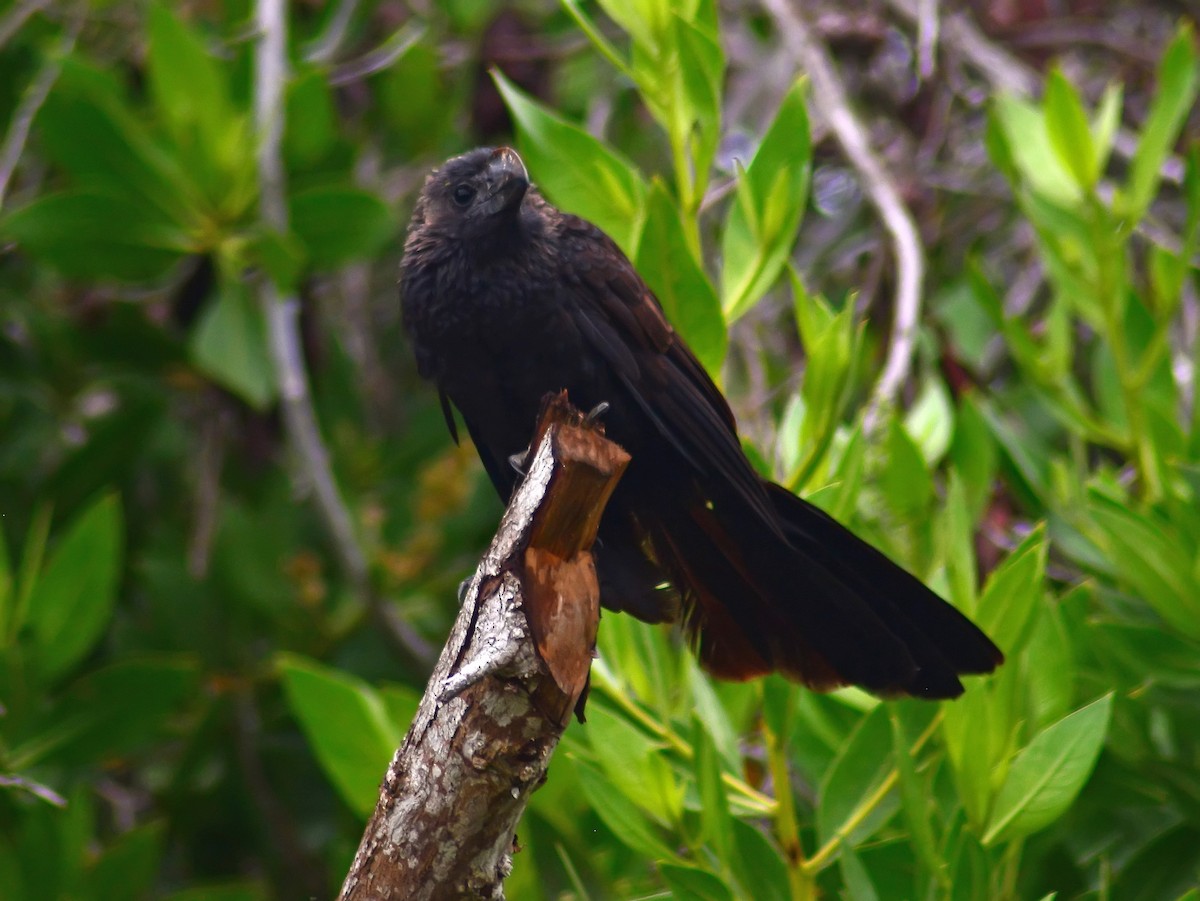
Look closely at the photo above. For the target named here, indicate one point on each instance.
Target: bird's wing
(620, 317)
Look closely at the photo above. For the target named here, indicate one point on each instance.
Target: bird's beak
(507, 181)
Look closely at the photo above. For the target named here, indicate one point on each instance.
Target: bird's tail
(807, 597)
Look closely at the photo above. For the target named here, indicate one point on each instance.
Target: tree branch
(515, 665)
(281, 310)
(829, 96)
(1007, 72)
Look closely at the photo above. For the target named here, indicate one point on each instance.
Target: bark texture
(514, 667)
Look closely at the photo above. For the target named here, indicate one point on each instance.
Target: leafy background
(214, 631)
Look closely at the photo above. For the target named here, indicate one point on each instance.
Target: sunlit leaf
(761, 226)
(1068, 129)
(679, 282)
(1175, 93)
(1009, 598)
(73, 600)
(1049, 772)
(346, 725)
(230, 345)
(575, 170)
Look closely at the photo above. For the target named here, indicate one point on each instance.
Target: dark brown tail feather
(818, 603)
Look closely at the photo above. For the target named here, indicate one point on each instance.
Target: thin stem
(829, 95)
(826, 852)
(282, 309)
(800, 880)
(752, 796)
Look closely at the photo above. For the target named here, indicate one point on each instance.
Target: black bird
(506, 298)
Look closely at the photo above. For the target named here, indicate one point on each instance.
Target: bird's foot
(520, 462)
(596, 412)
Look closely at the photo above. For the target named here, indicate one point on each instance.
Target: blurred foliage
(199, 704)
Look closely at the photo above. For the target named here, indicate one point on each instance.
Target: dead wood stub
(516, 662)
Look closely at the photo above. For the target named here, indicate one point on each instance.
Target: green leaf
(1147, 652)
(339, 224)
(644, 21)
(679, 282)
(311, 124)
(697, 93)
(619, 814)
(1178, 79)
(915, 796)
(229, 345)
(126, 869)
(112, 711)
(716, 825)
(94, 236)
(576, 171)
(957, 542)
(72, 601)
(930, 420)
(1105, 123)
(1149, 557)
(1032, 153)
(1052, 667)
(33, 551)
(1010, 597)
(906, 482)
(1164, 867)
(975, 729)
(861, 765)
(831, 347)
(634, 765)
(693, 884)
(778, 704)
(1068, 130)
(1048, 773)
(281, 254)
(346, 726)
(191, 94)
(761, 226)
(758, 865)
(707, 706)
(973, 453)
(119, 158)
(859, 886)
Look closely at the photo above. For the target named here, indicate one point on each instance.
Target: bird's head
(475, 194)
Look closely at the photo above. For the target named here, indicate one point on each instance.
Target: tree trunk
(513, 669)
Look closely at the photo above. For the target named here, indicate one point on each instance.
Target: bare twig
(1005, 71)
(513, 668)
(325, 47)
(208, 462)
(282, 311)
(270, 60)
(380, 58)
(27, 110)
(16, 16)
(928, 20)
(830, 98)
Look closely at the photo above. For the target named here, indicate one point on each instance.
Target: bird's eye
(463, 194)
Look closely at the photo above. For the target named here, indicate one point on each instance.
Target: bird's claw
(518, 461)
(596, 412)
